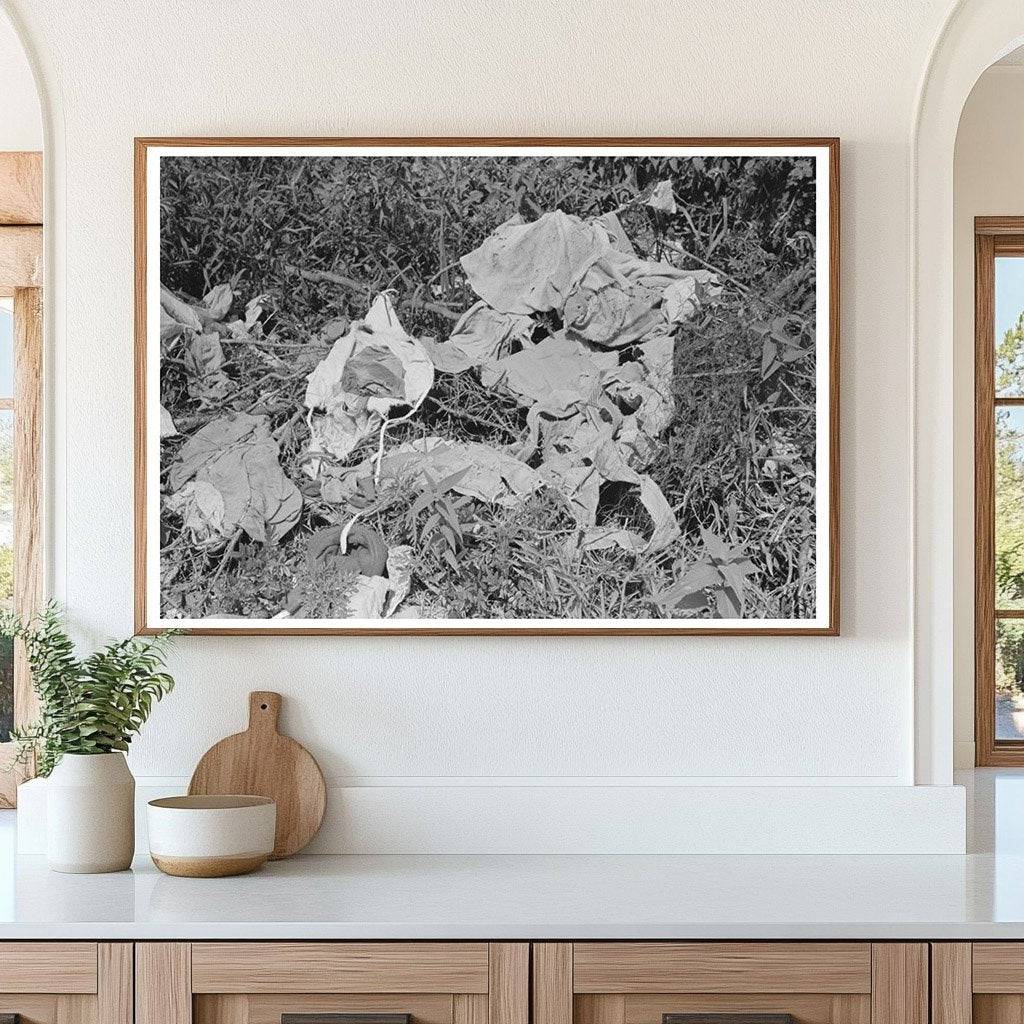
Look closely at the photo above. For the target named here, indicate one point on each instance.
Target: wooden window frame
(21, 270)
(993, 237)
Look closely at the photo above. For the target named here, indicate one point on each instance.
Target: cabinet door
(332, 983)
(980, 982)
(66, 982)
(737, 982)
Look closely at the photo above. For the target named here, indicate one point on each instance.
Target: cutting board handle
(264, 710)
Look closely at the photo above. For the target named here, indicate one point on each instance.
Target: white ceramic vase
(90, 814)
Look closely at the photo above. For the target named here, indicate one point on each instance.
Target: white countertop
(532, 897)
(978, 896)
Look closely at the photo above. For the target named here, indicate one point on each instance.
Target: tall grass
(321, 236)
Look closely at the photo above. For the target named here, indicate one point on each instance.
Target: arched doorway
(976, 33)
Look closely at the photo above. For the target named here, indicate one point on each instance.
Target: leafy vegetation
(1009, 508)
(317, 238)
(90, 705)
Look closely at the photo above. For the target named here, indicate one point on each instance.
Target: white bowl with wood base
(211, 836)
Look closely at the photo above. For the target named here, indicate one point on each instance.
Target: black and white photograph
(466, 387)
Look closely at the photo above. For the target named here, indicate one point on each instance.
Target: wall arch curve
(21, 113)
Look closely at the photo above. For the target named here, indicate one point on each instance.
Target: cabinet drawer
(998, 967)
(630, 967)
(270, 1009)
(262, 982)
(48, 967)
(66, 982)
(340, 967)
(735, 982)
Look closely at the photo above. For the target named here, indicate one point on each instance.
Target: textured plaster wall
(812, 711)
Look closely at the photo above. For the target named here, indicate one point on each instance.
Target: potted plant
(89, 709)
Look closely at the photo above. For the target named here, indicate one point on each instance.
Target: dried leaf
(661, 198)
(579, 475)
(210, 443)
(616, 233)
(532, 268)
(216, 304)
(399, 570)
(727, 603)
(555, 372)
(204, 354)
(373, 369)
(469, 468)
(609, 309)
(177, 315)
(483, 335)
(238, 457)
(367, 598)
(201, 507)
(167, 427)
(621, 298)
(682, 298)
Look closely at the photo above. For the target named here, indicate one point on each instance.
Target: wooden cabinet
(494, 983)
(260, 982)
(648, 982)
(66, 982)
(979, 982)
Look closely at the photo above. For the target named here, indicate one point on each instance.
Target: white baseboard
(601, 819)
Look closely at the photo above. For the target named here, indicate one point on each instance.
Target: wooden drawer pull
(340, 1018)
(728, 1018)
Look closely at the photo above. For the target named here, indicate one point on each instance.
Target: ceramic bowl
(211, 836)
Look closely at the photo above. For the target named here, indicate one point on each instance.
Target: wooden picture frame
(148, 615)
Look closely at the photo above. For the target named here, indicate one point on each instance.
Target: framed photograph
(487, 386)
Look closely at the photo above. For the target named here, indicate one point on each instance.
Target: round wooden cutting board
(262, 762)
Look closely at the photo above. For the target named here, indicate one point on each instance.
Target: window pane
(1009, 325)
(6, 567)
(6, 348)
(1009, 679)
(1009, 532)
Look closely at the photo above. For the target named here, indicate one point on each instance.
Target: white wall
(446, 712)
(21, 124)
(988, 181)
